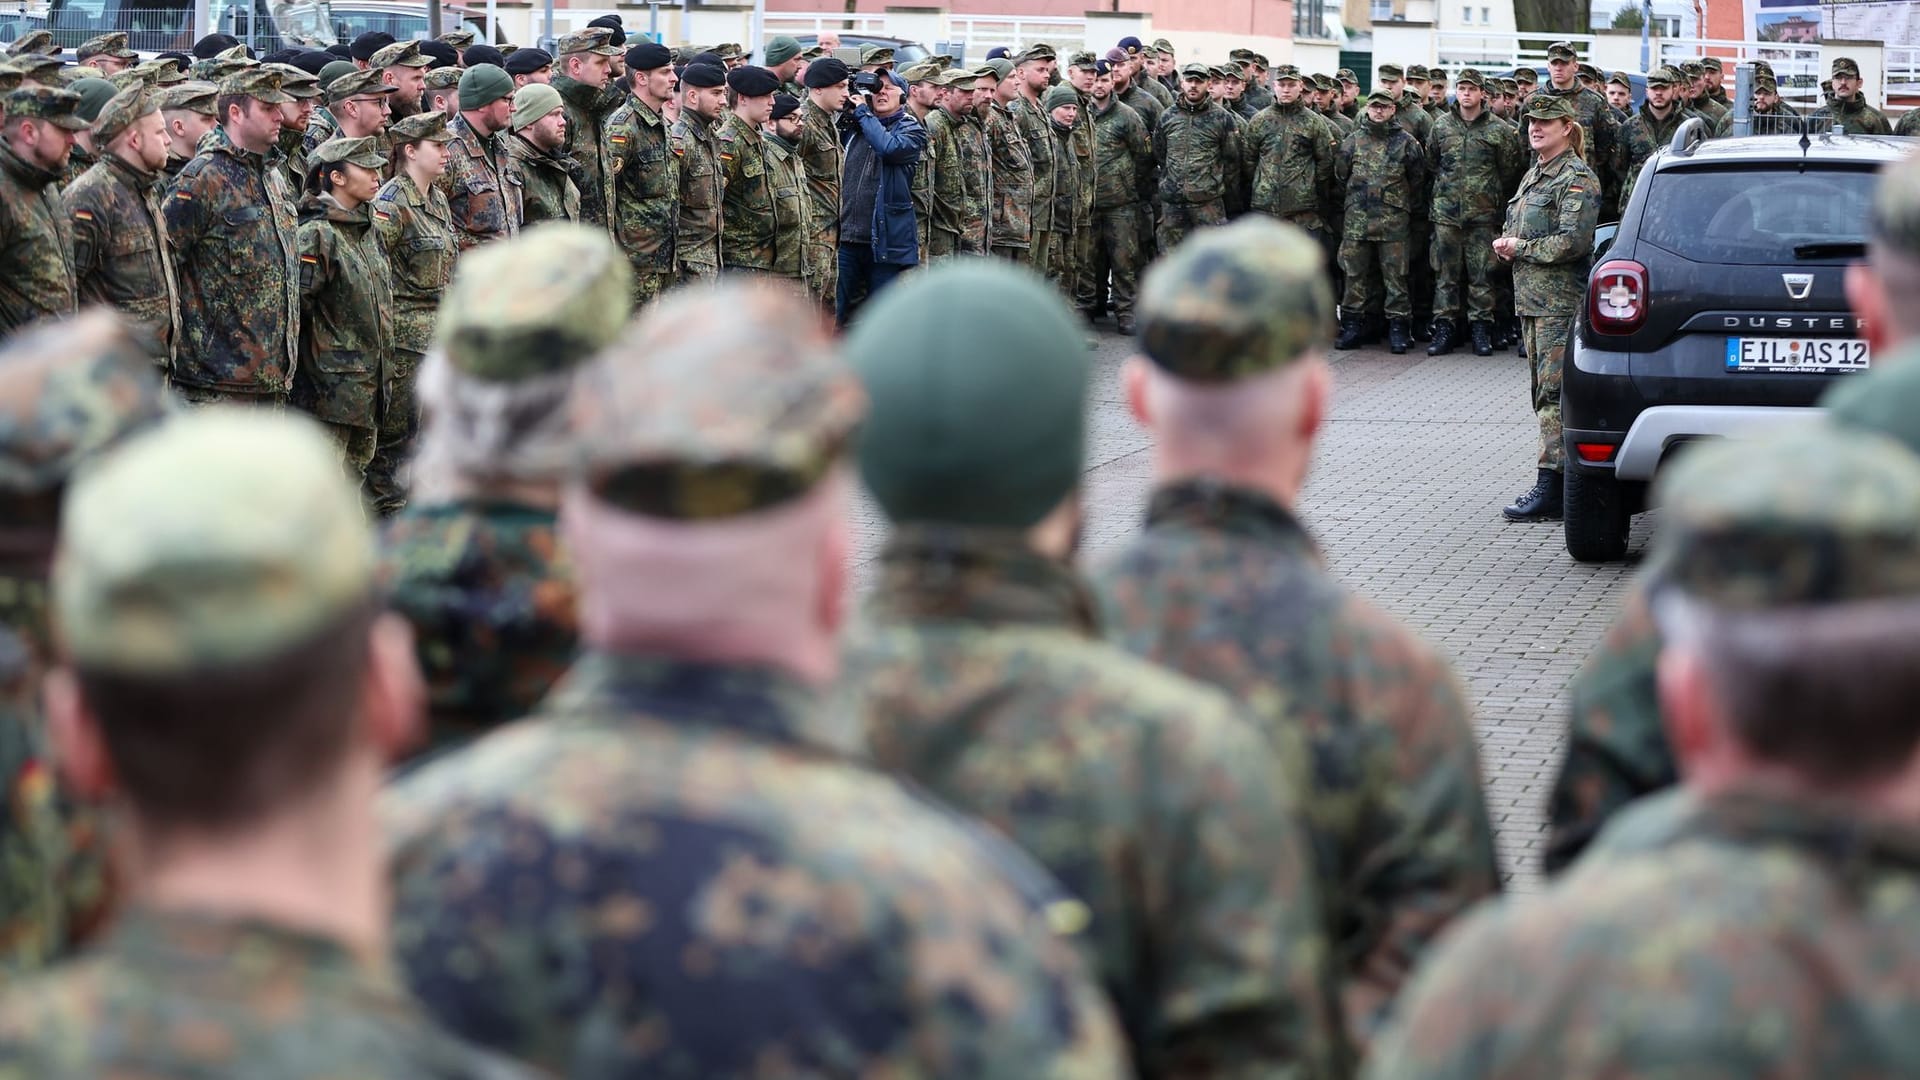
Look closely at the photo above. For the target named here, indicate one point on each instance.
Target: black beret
(341, 50)
(612, 22)
(526, 61)
(444, 55)
(184, 60)
(824, 72)
(280, 56)
(312, 60)
(484, 54)
(213, 45)
(1101, 67)
(785, 105)
(749, 81)
(708, 57)
(648, 56)
(704, 75)
(369, 43)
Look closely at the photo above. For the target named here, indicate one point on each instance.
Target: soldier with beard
(403, 67)
(1011, 203)
(538, 135)
(1198, 150)
(120, 251)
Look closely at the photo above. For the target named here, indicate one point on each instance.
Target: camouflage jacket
(1288, 164)
(1197, 149)
(36, 244)
(1381, 170)
(792, 221)
(1226, 586)
(1736, 934)
(1153, 799)
(1411, 118)
(321, 126)
(293, 157)
(490, 594)
(1066, 177)
(976, 174)
(1082, 142)
(1909, 121)
(1710, 108)
(1553, 214)
(1605, 155)
(588, 110)
(416, 232)
(1617, 747)
(1476, 165)
(646, 188)
(79, 160)
(346, 298)
(687, 868)
(1011, 200)
(920, 187)
(702, 193)
(1037, 131)
(482, 186)
(1650, 131)
(1341, 123)
(1161, 91)
(547, 188)
(948, 193)
(177, 994)
(747, 222)
(120, 251)
(1257, 96)
(825, 159)
(1782, 119)
(1141, 101)
(231, 220)
(1122, 158)
(1854, 116)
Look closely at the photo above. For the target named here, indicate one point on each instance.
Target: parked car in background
(904, 52)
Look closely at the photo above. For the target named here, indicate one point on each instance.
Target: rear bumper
(1657, 429)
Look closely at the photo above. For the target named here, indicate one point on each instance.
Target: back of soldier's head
(1788, 570)
(1881, 289)
(214, 590)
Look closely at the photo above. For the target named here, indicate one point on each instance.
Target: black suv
(1717, 308)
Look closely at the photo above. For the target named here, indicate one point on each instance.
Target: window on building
(1310, 18)
(1486, 16)
(1666, 26)
(1466, 14)
(1381, 11)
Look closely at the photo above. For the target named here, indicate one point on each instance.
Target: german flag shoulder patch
(83, 215)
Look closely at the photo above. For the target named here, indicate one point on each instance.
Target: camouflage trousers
(357, 445)
(649, 284)
(1179, 219)
(201, 395)
(1040, 251)
(399, 425)
(942, 243)
(1080, 268)
(1545, 337)
(1023, 256)
(1373, 267)
(823, 265)
(1060, 263)
(1463, 258)
(1116, 255)
(698, 274)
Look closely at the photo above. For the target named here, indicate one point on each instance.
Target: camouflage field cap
(360, 83)
(1895, 221)
(594, 39)
(1816, 515)
(1662, 76)
(1196, 70)
(1161, 46)
(1526, 76)
(957, 79)
(34, 42)
(1762, 67)
(120, 113)
(69, 390)
(235, 52)
(400, 54)
(131, 77)
(1470, 77)
(51, 104)
(1239, 56)
(1588, 71)
(730, 50)
(1392, 71)
(459, 39)
(189, 96)
(10, 77)
(1346, 75)
(1619, 78)
(37, 67)
(444, 78)
(1551, 107)
(1691, 69)
(1287, 71)
(222, 537)
(872, 55)
(1324, 82)
(1712, 63)
(114, 45)
(1382, 97)
(364, 151)
(1417, 73)
(1236, 300)
(914, 74)
(1039, 50)
(718, 402)
(1562, 50)
(298, 84)
(259, 83)
(68, 76)
(428, 126)
(535, 305)
(999, 67)
(1082, 60)
(1764, 84)
(1844, 65)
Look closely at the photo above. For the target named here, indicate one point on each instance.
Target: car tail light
(1595, 453)
(1617, 297)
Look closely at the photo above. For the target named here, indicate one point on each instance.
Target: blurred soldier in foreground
(230, 683)
(1226, 585)
(566, 893)
(1761, 919)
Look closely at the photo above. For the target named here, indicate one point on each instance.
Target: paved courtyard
(1405, 497)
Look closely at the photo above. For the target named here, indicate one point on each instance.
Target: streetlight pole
(1646, 33)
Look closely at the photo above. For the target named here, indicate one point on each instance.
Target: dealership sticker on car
(1802, 355)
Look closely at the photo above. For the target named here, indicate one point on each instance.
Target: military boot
(1398, 336)
(1442, 338)
(1540, 503)
(1353, 332)
(1482, 339)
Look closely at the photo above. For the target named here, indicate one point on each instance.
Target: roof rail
(1688, 137)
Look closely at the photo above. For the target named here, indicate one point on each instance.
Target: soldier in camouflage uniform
(1030, 118)
(475, 562)
(1123, 188)
(1771, 116)
(295, 116)
(482, 186)
(839, 922)
(1226, 585)
(94, 95)
(69, 391)
(749, 221)
(1076, 270)
(969, 135)
(585, 83)
(231, 219)
(1198, 153)
(940, 203)
(646, 174)
(1697, 82)
(536, 141)
(1477, 163)
(189, 111)
(1289, 159)
(1062, 107)
(1653, 124)
(823, 158)
(1381, 170)
(36, 244)
(242, 730)
(402, 66)
(1133, 93)
(1759, 920)
(792, 217)
(1010, 164)
(1602, 151)
(1848, 110)
(346, 300)
(361, 106)
(107, 53)
(980, 630)
(120, 251)
(703, 100)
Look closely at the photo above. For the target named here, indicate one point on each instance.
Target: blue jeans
(860, 279)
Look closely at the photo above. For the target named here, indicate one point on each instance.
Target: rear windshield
(1756, 214)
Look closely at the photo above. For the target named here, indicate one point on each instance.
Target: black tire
(1596, 517)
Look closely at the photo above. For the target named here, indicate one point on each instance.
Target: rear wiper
(1830, 248)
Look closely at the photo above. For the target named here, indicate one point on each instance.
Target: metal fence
(977, 32)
